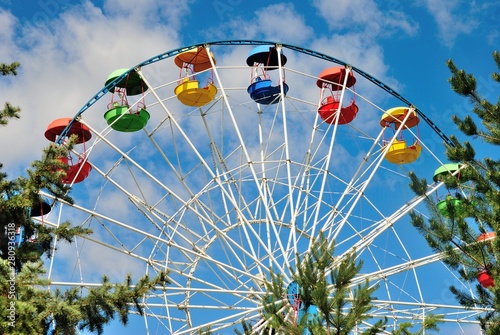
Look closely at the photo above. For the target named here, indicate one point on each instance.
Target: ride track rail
(309, 52)
(278, 198)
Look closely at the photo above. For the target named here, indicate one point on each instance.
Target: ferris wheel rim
(179, 50)
(310, 52)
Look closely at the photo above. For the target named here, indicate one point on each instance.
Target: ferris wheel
(221, 161)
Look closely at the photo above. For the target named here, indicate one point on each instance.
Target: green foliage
(489, 113)
(9, 111)
(18, 196)
(478, 188)
(9, 69)
(41, 311)
(430, 324)
(326, 283)
(204, 331)
(27, 305)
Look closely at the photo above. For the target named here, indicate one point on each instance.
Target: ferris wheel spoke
(390, 220)
(267, 200)
(185, 251)
(185, 205)
(287, 148)
(252, 169)
(221, 180)
(412, 310)
(407, 254)
(356, 199)
(334, 129)
(154, 215)
(226, 191)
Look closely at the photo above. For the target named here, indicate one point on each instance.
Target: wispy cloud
(262, 24)
(64, 62)
(67, 52)
(451, 19)
(150, 12)
(365, 16)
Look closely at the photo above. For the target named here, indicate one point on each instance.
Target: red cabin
(78, 167)
(333, 83)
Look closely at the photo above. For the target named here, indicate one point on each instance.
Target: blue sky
(403, 44)
(67, 49)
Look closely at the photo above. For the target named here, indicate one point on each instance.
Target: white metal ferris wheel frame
(398, 310)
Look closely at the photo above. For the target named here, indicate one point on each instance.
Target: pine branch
(496, 58)
(103, 304)
(9, 111)
(462, 82)
(9, 69)
(38, 310)
(477, 211)
(204, 331)
(465, 85)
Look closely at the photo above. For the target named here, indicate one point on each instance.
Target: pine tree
(325, 303)
(340, 309)
(9, 111)
(467, 232)
(26, 305)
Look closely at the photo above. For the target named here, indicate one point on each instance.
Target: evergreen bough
(479, 183)
(27, 306)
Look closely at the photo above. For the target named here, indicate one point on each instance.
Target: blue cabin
(262, 59)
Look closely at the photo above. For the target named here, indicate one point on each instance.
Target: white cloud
(262, 24)
(90, 261)
(366, 16)
(345, 13)
(451, 19)
(8, 23)
(149, 12)
(354, 49)
(296, 31)
(64, 62)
